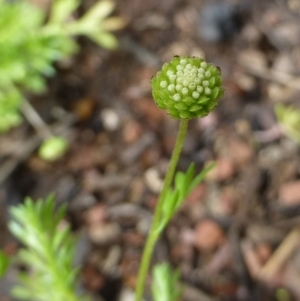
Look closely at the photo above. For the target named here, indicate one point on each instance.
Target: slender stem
(35, 120)
(154, 234)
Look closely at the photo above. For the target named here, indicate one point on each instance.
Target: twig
(282, 78)
(240, 265)
(280, 256)
(35, 120)
(191, 293)
(11, 164)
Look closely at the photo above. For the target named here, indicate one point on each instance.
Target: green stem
(154, 234)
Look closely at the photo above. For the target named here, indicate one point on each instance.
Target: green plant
(30, 43)
(48, 253)
(187, 87)
(50, 247)
(53, 148)
(289, 119)
(4, 263)
(165, 284)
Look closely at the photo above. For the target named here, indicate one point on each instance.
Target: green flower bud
(187, 87)
(53, 148)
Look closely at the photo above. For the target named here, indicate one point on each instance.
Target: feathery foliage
(30, 43)
(48, 253)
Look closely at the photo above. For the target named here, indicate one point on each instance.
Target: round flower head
(187, 87)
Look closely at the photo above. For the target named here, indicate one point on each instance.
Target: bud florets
(187, 87)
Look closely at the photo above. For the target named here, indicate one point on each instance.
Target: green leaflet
(185, 183)
(4, 263)
(165, 284)
(48, 252)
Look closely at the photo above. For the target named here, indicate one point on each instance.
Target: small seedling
(48, 254)
(53, 148)
(30, 43)
(187, 87)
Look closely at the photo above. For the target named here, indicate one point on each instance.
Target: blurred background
(236, 237)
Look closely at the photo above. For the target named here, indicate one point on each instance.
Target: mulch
(236, 237)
